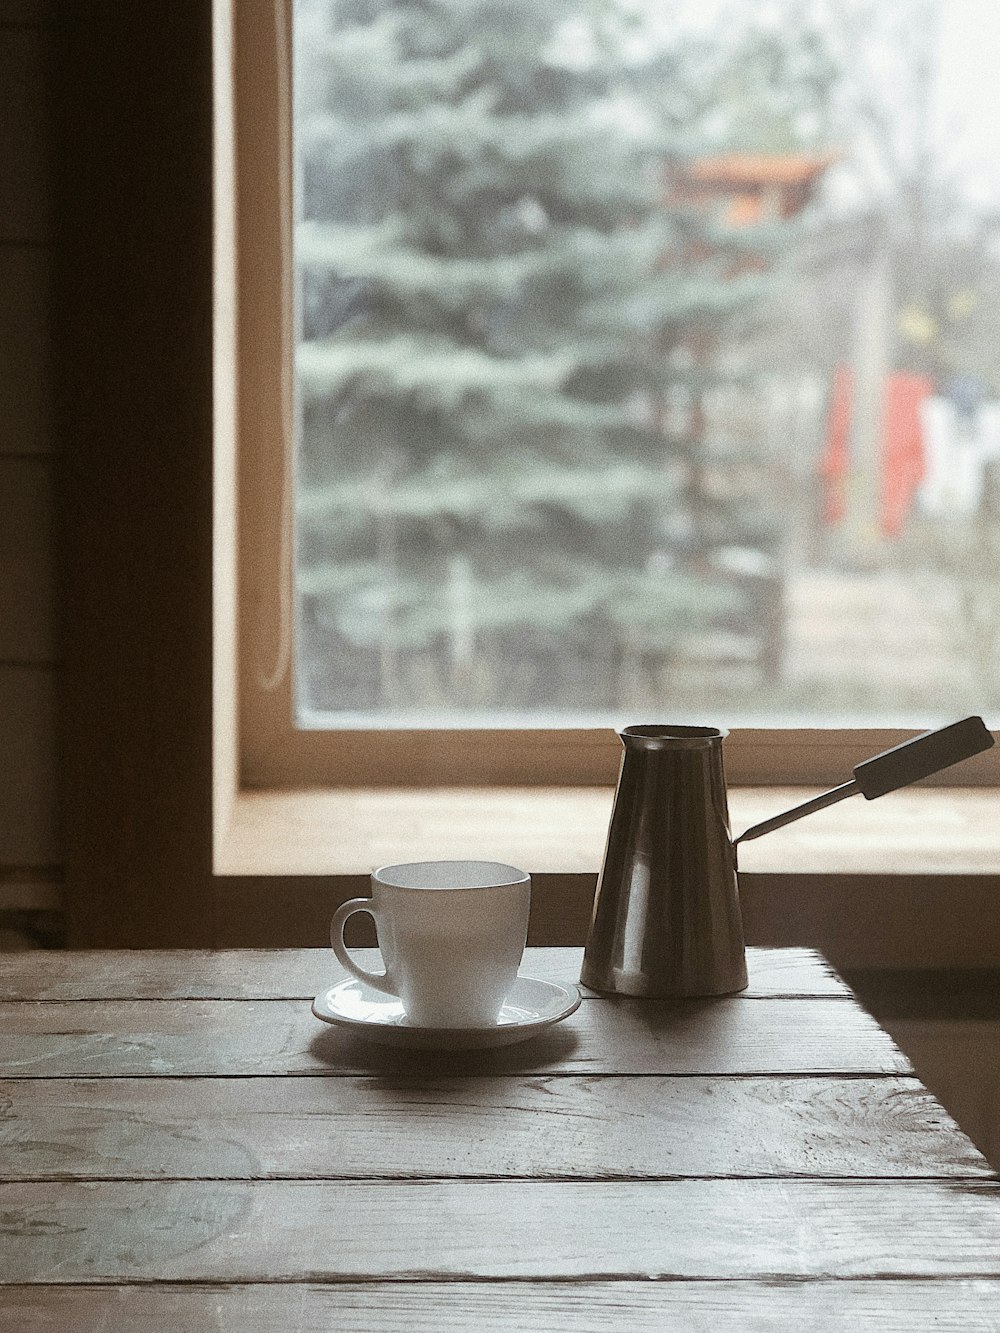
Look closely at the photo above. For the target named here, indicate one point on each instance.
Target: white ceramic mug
(451, 934)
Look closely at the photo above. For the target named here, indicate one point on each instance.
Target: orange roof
(761, 168)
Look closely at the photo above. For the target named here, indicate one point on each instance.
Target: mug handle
(377, 980)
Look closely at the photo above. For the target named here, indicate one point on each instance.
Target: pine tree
(494, 511)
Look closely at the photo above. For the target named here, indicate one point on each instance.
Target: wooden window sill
(561, 831)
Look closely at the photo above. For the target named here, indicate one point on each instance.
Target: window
(622, 388)
(385, 606)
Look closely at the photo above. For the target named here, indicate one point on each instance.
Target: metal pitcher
(667, 913)
(666, 916)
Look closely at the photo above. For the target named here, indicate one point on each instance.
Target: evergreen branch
(495, 500)
(432, 371)
(379, 253)
(441, 137)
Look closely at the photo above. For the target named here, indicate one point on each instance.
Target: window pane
(646, 360)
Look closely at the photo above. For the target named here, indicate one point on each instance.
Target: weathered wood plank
(955, 1306)
(574, 1128)
(187, 1037)
(959, 1061)
(237, 1231)
(271, 974)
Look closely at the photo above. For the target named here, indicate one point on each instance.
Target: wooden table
(184, 1147)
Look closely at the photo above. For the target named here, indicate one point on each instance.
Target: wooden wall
(30, 844)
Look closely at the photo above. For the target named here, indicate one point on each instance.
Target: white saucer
(532, 1006)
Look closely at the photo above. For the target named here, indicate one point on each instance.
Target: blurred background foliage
(567, 322)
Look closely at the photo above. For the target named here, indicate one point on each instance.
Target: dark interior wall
(133, 374)
(30, 842)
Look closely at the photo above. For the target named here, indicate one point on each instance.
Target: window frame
(272, 752)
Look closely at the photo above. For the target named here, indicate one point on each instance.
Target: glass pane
(647, 361)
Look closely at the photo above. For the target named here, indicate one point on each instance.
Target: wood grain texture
(535, 1126)
(274, 974)
(194, 1037)
(959, 1061)
(955, 1306)
(235, 1231)
(567, 1184)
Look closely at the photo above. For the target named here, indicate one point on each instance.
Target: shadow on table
(947, 1021)
(348, 1053)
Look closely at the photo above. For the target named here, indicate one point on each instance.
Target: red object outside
(902, 453)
